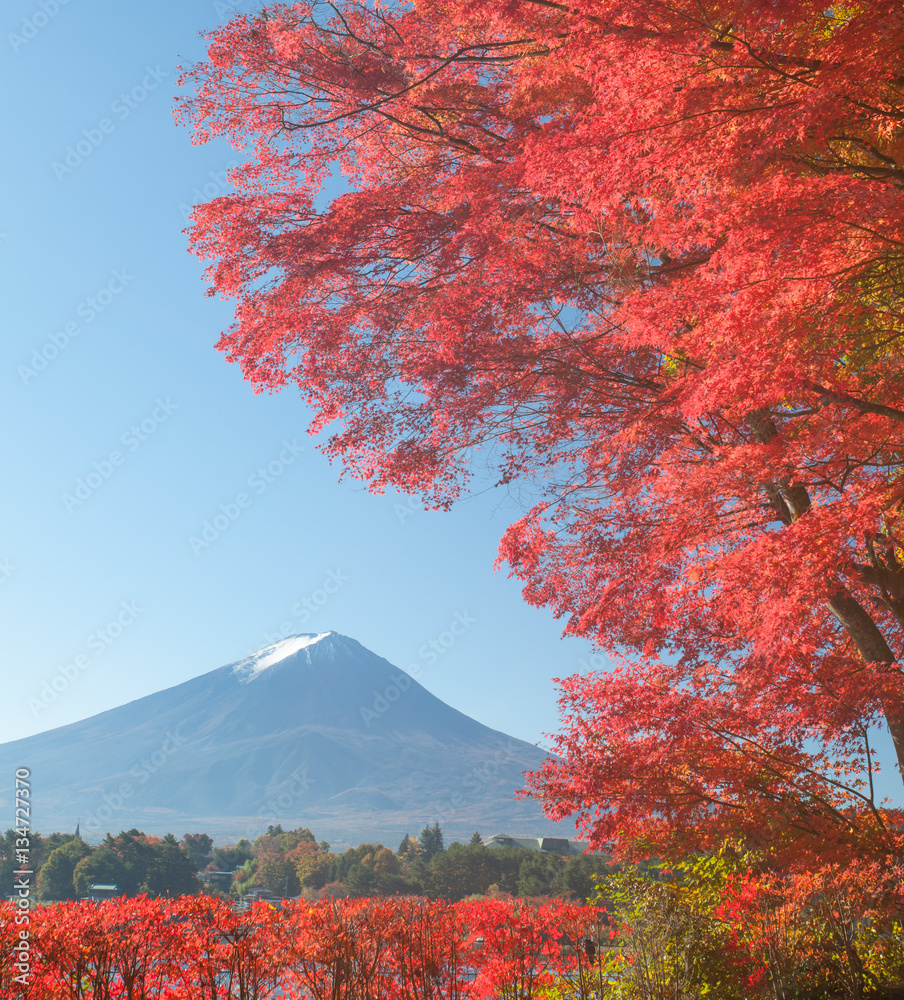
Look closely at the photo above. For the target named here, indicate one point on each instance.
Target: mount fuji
(313, 730)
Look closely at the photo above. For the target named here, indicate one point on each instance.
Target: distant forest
(289, 863)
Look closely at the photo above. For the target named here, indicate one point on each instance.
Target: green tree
(462, 870)
(103, 865)
(508, 863)
(135, 851)
(673, 941)
(171, 870)
(276, 873)
(315, 870)
(577, 879)
(39, 848)
(243, 879)
(531, 873)
(228, 859)
(47, 845)
(361, 880)
(199, 848)
(55, 878)
(388, 869)
(281, 841)
(431, 841)
(8, 862)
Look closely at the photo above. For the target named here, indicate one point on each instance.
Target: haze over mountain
(313, 730)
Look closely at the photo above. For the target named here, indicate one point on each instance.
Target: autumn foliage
(715, 926)
(397, 949)
(644, 259)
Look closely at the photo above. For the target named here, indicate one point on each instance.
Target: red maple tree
(835, 927)
(350, 949)
(647, 257)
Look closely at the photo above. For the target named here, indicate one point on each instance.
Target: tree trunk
(860, 626)
(792, 500)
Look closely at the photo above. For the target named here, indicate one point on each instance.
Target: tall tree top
(646, 257)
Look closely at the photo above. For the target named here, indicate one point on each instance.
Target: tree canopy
(645, 259)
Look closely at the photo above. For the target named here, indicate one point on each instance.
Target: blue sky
(125, 431)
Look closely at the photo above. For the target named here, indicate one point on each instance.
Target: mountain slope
(313, 730)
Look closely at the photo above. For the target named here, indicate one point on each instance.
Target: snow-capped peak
(251, 666)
